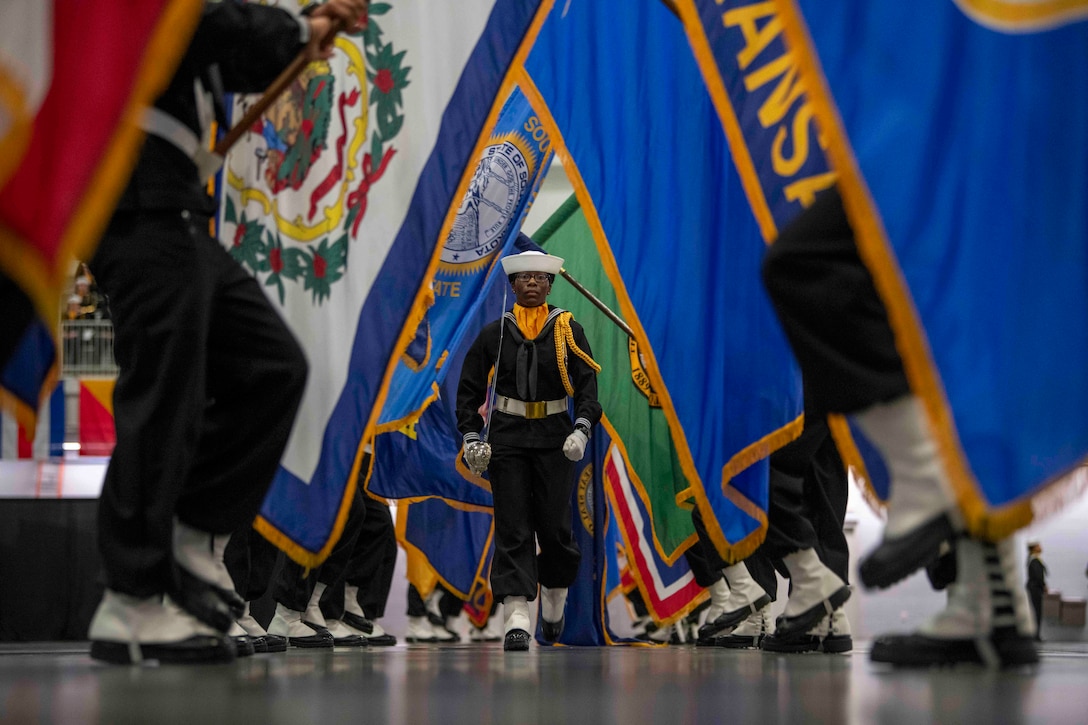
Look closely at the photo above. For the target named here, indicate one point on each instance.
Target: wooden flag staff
(274, 91)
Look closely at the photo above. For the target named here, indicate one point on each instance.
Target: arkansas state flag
(958, 133)
(74, 78)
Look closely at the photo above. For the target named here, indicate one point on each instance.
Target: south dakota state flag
(507, 175)
(340, 201)
(958, 132)
(423, 459)
(74, 79)
(644, 147)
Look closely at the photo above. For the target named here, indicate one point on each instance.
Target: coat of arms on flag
(310, 161)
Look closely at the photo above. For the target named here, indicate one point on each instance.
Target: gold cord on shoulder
(564, 338)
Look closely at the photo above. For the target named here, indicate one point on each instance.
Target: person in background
(1036, 585)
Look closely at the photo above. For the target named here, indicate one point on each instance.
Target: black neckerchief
(526, 361)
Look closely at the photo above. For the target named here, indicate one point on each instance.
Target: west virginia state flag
(957, 129)
(74, 78)
(341, 200)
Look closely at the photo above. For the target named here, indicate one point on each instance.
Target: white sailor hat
(532, 262)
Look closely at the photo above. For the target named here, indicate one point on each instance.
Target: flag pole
(286, 77)
(597, 303)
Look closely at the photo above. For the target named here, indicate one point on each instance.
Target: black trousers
(370, 563)
(449, 605)
(808, 497)
(293, 585)
(707, 564)
(251, 561)
(827, 304)
(532, 490)
(1035, 596)
(210, 382)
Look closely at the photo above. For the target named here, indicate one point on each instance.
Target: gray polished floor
(56, 683)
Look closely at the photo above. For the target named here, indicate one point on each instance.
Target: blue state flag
(423, 459)
(643, 144)
(508, 173)
(455, 543)
(957, 130)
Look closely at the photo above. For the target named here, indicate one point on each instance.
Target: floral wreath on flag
(309, 203)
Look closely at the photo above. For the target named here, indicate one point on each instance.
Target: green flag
(631, 409)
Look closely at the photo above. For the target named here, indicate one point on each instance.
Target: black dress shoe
(732, 641)
(805, 642)
(896, 559)
(1005, 647)
(275, 643)
(365, 626)
(321, 638)
(196, 650)
(728, 620)
(243, 643)
(260, 643)
(351, 640)
(806, 620)
(517, 640)
(212, 605)
(551, 631)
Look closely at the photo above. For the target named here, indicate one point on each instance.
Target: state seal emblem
(503, 174)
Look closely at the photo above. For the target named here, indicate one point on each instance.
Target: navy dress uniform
(541, 360)
(210, 376)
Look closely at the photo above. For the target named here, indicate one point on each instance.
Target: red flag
(96, 431)
(74, 78)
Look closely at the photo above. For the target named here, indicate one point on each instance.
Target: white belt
(532, 410)
(166, 127)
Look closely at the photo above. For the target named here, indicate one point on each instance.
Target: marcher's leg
(744, 596)
(251, 560)
(815, 590)
(256, 376)
(370, 574)
(514, 567)
(295, 620)
(1037, 611)
(151, 268)
(986, 621)
(839, 332)
(559, 553)
(825, 495)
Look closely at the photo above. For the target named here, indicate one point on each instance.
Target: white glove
(477, 456)
(574, 447)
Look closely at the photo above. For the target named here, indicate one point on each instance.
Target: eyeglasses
(540, 277)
